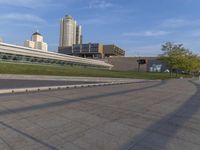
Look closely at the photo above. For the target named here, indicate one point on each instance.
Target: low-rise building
(36, 42)
(14, 53)
(112, 50)
(92, 50)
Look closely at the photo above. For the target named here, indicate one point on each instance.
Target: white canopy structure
(24, 52)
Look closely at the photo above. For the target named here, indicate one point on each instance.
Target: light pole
(138, 61)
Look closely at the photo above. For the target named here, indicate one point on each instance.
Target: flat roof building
(92, 50)
(9, 52)
(112, 50)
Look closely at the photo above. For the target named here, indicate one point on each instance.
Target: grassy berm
(40, 69)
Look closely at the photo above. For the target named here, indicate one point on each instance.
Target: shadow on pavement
(28, 136)
(162, 126)
(65, 102)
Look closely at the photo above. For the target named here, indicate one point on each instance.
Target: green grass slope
(39, 69)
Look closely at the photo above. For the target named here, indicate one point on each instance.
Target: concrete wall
(154, 63)
(130, 63)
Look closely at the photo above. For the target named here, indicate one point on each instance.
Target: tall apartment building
(79, 34)
(70, 32)
(36, 42)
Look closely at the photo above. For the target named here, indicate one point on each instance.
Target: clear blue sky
(138, 26)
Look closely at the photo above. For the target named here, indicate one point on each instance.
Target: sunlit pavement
(139, 116)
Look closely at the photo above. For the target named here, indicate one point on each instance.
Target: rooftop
(37, 33)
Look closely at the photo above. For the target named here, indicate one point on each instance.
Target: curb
(66, 78)
(37, 89)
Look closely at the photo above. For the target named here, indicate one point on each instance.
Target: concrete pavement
(139, 116)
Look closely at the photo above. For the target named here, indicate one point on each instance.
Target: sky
(138, 26)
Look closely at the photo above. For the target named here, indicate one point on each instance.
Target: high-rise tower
(70, 32)
(78, 34)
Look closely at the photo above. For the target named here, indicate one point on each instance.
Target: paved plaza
(151, 115)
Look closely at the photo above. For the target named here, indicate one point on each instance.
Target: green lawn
(39, 69)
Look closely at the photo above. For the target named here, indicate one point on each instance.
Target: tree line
(179, 59)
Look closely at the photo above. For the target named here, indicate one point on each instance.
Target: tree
(193, 63)
(178, 58)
